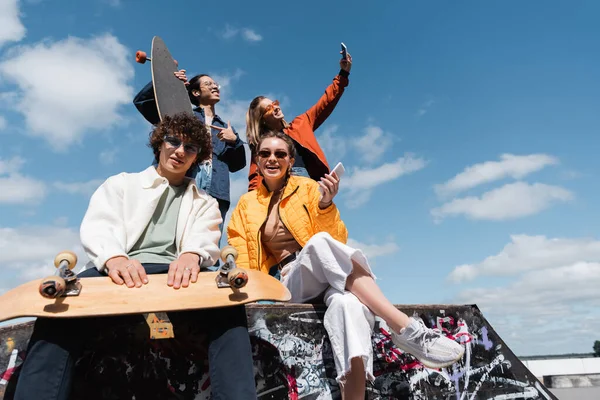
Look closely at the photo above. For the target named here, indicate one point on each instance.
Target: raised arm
(145, 102)
(319, 112)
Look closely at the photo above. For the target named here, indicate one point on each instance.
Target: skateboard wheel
(68, 256)
(52, 287)
(228, 250)
(238, 278)
(141, 57)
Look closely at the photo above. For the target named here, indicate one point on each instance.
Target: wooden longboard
(170, 93)
(102, 297)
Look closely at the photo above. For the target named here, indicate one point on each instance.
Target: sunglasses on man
(173, 142)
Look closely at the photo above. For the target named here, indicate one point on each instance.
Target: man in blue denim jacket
(228, 149)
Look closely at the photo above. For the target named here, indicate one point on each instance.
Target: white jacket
(123, 205)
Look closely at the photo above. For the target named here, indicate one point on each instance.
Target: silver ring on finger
(129, 266)
(188, 269)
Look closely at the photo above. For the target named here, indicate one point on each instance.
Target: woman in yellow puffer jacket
(292, 230)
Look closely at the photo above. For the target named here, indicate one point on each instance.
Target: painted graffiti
(292, 360)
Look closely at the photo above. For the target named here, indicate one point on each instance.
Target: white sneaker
(428, 346)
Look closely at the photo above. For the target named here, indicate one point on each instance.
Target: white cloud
(229, 32)
(11, 28)
(511, 201)
(3, 123)
(510, 165)
(28, 253)
(366, 178)
(16, 188)
(19, 189)
(251, 36)
(333, 145)
(361, 181)
(373, 144)
(550, 303)
(83, 188)
(81, 82)
(548, 311)
(526, 252)
(225, 80)
(11, 166)
(374, 250)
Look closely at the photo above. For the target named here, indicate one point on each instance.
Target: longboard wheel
(228, 250)
(141, 57)
(238, 278)
(68, 256)
(52, 287)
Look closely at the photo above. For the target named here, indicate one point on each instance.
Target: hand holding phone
(339, 171)
(344, 51)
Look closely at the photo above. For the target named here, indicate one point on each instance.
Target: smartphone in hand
(344, 51)
(339, 171)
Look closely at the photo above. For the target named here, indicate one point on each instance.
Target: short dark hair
(279, 135)
(185, 126)
(194, 85)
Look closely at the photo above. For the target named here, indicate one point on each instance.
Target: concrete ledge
(292, 358)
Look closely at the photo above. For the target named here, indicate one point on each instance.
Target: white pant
(323, 265)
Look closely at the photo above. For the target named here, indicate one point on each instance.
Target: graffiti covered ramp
(292, 359)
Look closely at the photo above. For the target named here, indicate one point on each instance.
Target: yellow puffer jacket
(298, 210)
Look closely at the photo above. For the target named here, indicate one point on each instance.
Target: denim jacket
(226, 157)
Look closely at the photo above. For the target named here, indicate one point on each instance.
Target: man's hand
(123, 270)
(183, 270)
(182, 76)
(329, 185)
(346, 64)
(225, 134)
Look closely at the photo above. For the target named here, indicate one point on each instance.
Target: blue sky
(469, 133)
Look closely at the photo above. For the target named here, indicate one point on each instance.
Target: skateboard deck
(64, 295)
(102, 297)
(170, 93)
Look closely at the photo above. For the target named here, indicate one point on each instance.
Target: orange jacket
(302, 130)
(298, 210)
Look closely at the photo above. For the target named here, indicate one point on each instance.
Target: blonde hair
(255, 126)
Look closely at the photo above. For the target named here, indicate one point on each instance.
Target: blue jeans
(56, 344)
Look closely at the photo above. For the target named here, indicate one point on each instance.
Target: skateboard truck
(64, 282)
(229, 274)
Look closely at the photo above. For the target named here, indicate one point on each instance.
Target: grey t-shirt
(157, 243)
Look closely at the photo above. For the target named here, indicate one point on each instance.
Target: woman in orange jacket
(265, 114)
(290, 227)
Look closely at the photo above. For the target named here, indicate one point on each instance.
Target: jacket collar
(264, 195)
(151, 179)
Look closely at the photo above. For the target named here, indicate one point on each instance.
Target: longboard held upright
(169, 92)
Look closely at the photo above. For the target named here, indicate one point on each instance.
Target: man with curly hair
(138, 224)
